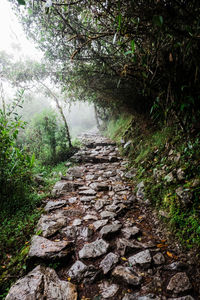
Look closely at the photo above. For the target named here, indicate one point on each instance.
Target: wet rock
(86, 233)
(176, 266)
(52, 205)
(130, 231)
(77, 270)
(108, 230)
(50, 224)
(69, 232)
(107, 214)
(76, 172)
(179, 283)
(72, 200)
(77, 222)
(62, 187)
(99, 204)
(125, 246)
(184, 195)
(42, 283)
(137, 297)
(88, 192)
(109, 262)
(127, 275)
(158, 259)
(100, 223)
(108, 290)
(46, 249)
(87, 199)
(94, 249)
(90, 217)
(142, 259)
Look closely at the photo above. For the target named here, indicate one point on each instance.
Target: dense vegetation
(138, 62)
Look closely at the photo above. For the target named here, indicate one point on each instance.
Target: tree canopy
(136, 53)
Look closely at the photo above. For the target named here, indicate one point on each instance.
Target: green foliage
(46, 138)
(15, 164)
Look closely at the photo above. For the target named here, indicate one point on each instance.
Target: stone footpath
(100, 239)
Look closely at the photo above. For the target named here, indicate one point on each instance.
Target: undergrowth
(167, 161)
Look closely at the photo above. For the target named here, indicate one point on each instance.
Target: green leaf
(119, 21)
(21, 2)
(133, 46)
(128, 52)
(158, 20)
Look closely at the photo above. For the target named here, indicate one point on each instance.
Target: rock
(46, 249)
(52, 205)
(130, 231)
(77, 271)
(142, 259)
(99, 186)
(125, 246)
(119, 208)
(137, 297)
(76, 172)
(158, 259)
(77, 222)
(169, 177)
(89, 177)
(108, 230)
(88, 192)
(164, 214)
(109, 262)
(100, 223)
(184, 195)
(90, 217)
(72, 200)
(127, 144)
(176, 266)
(107, 214)
(66, 177)
(179, 283)
(87, 199)
(62, 187)
(108, 290)
(86, 233)
(99, 204)
(188, 297)
(180, 174)
(94, 249)
(127, 275)
(50, 224)
(140, 185)
(42, 283)
(70, 232)
(38, 179)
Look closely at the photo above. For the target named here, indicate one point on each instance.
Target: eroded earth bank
(98, 240)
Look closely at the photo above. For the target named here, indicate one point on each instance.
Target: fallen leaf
(69, 278)
(124, 258)
(162, 245)
(57, 240)
(171, 255)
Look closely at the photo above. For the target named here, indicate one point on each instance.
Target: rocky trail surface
(99, 237)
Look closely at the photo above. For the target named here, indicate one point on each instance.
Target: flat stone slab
(94, 249)
(42, 283)
(88, 192)
(90, 217)
(142, 259)
(109, 262)
(179, 283)
(87, 198)
(127, 275)
(52, 205)
(108, 230)
(100, 223)
(46, 249)
(107, 214)
(50, 224)
(137, 297)
(130, 232)
(158, 259)
(62, 187)
(125, 246)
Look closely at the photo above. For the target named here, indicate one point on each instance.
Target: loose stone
(130, 231)
(158, 259)
(108, 230)
(127, 275)
(42, 283)
(179, 283)
(77, 270)
(46, 249)
(94, 249)
(107, 214)
(142, 259)
(100, 223)
(108, 262)
(108, 290)
(52, 205)
(50, 224)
